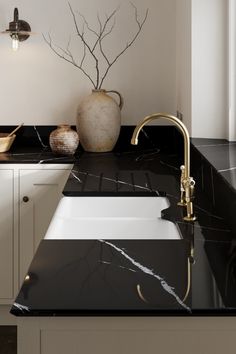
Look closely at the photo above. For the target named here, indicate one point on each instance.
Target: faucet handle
(191, 185)
(189, 196)
(182, 188)
(182, 169)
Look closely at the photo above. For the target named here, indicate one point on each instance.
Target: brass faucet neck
(181, 127)
(187, 183)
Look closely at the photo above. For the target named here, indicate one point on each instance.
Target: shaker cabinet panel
(138, 342)
(126, 335)
(39, 193)
(6, 233)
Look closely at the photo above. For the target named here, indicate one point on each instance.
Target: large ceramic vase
(99, 121)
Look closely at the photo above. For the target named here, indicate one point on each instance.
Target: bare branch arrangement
(96, 48)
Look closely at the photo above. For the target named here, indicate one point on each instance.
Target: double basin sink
(112, 218)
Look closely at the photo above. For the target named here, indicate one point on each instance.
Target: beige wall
(184, 60)
(209, 68)
(202, 66)
(39, 88)
(232, 71)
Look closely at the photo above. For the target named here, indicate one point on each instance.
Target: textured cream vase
(99, 121)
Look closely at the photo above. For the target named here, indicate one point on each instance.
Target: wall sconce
(18, 30)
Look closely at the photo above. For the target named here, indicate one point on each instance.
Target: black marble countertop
(35, 155)
(221, 154)
(192, 276)
(31, 146)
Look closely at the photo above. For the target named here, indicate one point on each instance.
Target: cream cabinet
(126, 335)
(39, 194)
(6, 234)
(29, 194)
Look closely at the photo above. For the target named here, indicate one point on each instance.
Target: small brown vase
(64, 140)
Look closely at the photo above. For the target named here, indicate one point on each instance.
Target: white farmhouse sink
(111, 218)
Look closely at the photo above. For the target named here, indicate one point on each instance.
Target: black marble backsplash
(215, 174)
(32, 144)
(166, 137)
(30, 135)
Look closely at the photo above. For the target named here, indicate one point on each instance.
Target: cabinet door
(127, 335)
(40, 192)
(6, 234)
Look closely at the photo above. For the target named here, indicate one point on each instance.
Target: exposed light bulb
(15, 43)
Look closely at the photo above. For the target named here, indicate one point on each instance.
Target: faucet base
(190, 218)
(181, 204)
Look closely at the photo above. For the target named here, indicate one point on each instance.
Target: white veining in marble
(168, 165)
(215, 145)
(21, 307)
(24, 154)
(119, 266)
(149, 156)
(115, 181)
(228, 169)
(73, 173)
(39, 137)
(51, 159)
(148, 137)
(150, 272)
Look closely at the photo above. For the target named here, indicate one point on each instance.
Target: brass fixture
(190, 263)
(140, 294)
(187, 183)
(18, 30)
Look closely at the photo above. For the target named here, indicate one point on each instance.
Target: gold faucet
(187, 183)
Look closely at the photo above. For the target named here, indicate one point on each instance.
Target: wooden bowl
(6, 142)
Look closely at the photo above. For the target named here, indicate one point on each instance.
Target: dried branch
(83, 58)
(129, 44)
(102, 38)
(105, 29)
(71, 60)
(81, 36)
(87, 25)
(110, 30)
(100, 22)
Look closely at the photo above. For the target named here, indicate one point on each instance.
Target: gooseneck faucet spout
(186, 182)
